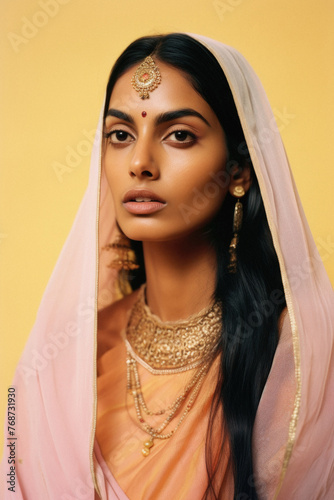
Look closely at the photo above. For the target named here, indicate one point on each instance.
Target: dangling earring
(125, 256)
(237, 222)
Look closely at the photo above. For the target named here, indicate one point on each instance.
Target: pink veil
(55, 380)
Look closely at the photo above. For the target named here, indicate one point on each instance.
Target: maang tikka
(146, 78)
(237, 222)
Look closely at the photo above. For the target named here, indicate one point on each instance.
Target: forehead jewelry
(143, 113)
(146, 78)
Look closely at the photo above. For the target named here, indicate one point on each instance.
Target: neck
(180, 277)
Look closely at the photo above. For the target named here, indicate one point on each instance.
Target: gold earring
(125, 256)
(237, 223)
(146, 78)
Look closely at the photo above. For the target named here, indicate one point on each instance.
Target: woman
(229, 391)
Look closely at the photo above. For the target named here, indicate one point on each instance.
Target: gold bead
(145, 451)
(148, 444)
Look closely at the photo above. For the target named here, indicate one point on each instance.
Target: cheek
(206, 199)
(202, 196)
(113, 173)
(208, 179)
(112, 180)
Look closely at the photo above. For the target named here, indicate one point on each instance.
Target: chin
(138, 230)
(147, 228)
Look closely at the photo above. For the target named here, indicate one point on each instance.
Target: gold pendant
(147, 445)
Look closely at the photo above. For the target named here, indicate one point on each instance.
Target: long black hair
(253, 297)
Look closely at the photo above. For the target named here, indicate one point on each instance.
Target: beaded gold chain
(210, 320)
(134, 387)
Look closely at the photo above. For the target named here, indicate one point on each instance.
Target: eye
(181, 136)
(118, 137)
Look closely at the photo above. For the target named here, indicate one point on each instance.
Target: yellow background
(55, 66)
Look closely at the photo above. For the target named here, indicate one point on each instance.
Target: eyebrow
(162, 118)
(179, 113)
(120, 115)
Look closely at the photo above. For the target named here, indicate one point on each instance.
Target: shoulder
(112, 320)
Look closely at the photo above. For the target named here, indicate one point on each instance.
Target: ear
(241, 177)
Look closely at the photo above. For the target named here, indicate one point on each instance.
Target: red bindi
(144, 114)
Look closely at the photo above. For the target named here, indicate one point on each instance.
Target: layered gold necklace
(165, 348)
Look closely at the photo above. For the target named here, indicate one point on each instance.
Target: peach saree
(56, 385)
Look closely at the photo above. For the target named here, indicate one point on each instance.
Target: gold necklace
(173, 346)
(210, 316)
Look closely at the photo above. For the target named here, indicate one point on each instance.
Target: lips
(141, 196)
(143, 202)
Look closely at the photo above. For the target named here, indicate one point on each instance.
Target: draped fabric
(57, 456)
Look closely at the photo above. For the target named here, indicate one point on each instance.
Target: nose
(143, 163)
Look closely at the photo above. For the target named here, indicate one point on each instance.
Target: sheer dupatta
(55, 380)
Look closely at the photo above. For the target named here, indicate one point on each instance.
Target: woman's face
(164, 158)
